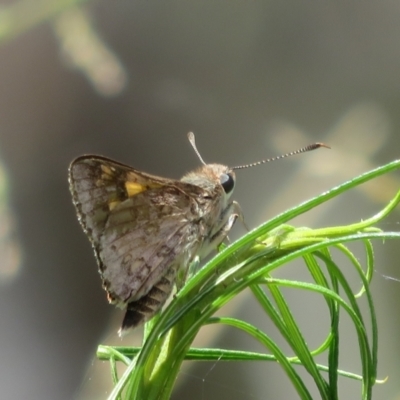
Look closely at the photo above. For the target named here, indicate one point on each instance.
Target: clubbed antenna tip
(310, 147)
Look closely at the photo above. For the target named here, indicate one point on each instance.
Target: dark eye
(227, 182)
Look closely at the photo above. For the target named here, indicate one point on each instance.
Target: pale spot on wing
(106, 169)
(113, 204)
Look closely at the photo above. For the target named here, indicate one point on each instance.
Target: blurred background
(128, 80)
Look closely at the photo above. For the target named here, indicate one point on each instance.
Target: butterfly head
(212, 176)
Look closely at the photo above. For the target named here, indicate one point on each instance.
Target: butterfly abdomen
(140, 311)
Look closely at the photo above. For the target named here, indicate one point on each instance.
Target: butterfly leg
(239, 212)
(227, 219)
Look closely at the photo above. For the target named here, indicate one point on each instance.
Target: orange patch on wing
(134, 188)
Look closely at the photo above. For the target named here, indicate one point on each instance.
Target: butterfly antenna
(310, 147)
(193, 143)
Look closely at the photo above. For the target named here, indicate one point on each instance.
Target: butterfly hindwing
(140, 241)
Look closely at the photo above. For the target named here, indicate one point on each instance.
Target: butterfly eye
(227, 182)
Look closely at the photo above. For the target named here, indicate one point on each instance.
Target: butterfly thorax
(215, 208)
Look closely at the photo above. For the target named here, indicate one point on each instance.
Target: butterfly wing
(141, 226)
(143, 237)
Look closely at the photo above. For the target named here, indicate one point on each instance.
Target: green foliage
(249, 263)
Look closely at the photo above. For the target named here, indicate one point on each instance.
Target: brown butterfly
(146, 230)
